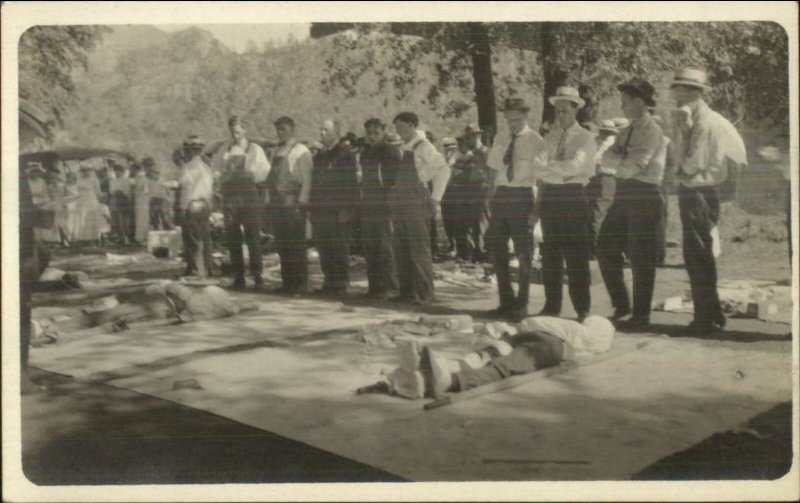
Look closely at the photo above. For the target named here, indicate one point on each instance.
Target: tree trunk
(481, 53)
(554, 76)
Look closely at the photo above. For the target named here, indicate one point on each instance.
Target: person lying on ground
(164, 302)
(540, 342)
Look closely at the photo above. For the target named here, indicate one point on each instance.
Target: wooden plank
(515, 381)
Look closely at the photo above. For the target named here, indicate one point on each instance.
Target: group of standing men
(556, 170)
(389, 182)
(399, 182)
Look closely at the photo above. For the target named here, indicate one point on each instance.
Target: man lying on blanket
(163, 302)
(539, 342)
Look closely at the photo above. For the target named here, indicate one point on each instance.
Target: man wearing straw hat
(706, 149)
(563, 209)
(196, 195)
(513, 159)
(601, 187)
(638, 158)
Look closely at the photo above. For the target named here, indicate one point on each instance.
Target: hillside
(146, 90)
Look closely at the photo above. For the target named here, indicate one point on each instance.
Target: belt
(515, 189)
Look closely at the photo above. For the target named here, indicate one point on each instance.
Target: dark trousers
(661, 231)
(452, 212)
(289, 225)
(470, 219)
(512, 218)
(631, 228)
(411, 217)
(564, 214)
(600, 193)
(242, 225)
(196, 240)
(376, 243)
(332, 233)
(121, 216)
(532, 351)
(699, 209)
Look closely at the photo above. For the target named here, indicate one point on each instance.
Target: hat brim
(608, 130)
(690, 83)
(555, 99)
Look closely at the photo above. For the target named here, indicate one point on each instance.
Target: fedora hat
(640, 88)
(691, 77)
(449, 142)
(567, 93)
(514, 104)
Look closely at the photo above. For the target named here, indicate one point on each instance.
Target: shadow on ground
(79, 434)
(762, 451)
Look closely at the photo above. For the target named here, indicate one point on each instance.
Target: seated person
(540, 342)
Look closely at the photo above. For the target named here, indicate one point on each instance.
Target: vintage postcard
(325, 251)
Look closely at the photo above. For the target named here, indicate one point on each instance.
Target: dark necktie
(627, 142)
(508, 159)
(561, 151)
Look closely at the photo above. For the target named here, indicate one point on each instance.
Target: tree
(48, 55)
(595, 57)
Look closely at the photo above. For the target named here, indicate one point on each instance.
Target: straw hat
(691, 77)
(567, 93)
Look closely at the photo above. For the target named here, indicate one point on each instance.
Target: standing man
(451, 200)
(637, 156)
(196, 194)
(706, 149)
(477, 194)
(334, 197)
(563, 208)
(121, 204)
(243, 167)
(289, 192)
(413, 207)
(513, 159)
(600, 191)
(379, 162)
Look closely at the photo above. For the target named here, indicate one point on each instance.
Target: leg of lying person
(536, 351)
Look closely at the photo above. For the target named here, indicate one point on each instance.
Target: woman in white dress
(87, 208)
(141, 205)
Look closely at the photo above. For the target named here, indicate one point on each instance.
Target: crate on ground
(169, 242)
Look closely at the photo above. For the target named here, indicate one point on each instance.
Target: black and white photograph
(399, 250)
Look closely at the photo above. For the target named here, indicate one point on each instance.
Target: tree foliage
(48, 55)
(747, 61)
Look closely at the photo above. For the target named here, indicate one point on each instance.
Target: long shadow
(172, 361)
(761, 453)
(682, 331)
(79, 434)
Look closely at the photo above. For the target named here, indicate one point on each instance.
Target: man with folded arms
(563, 208)
(638, 158)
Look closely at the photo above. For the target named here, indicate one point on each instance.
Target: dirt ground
(284, 376)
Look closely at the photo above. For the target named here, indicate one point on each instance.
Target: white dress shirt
(197, 183)
(430, 163)
(528, 148)
(255, 160)
(570, 156)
